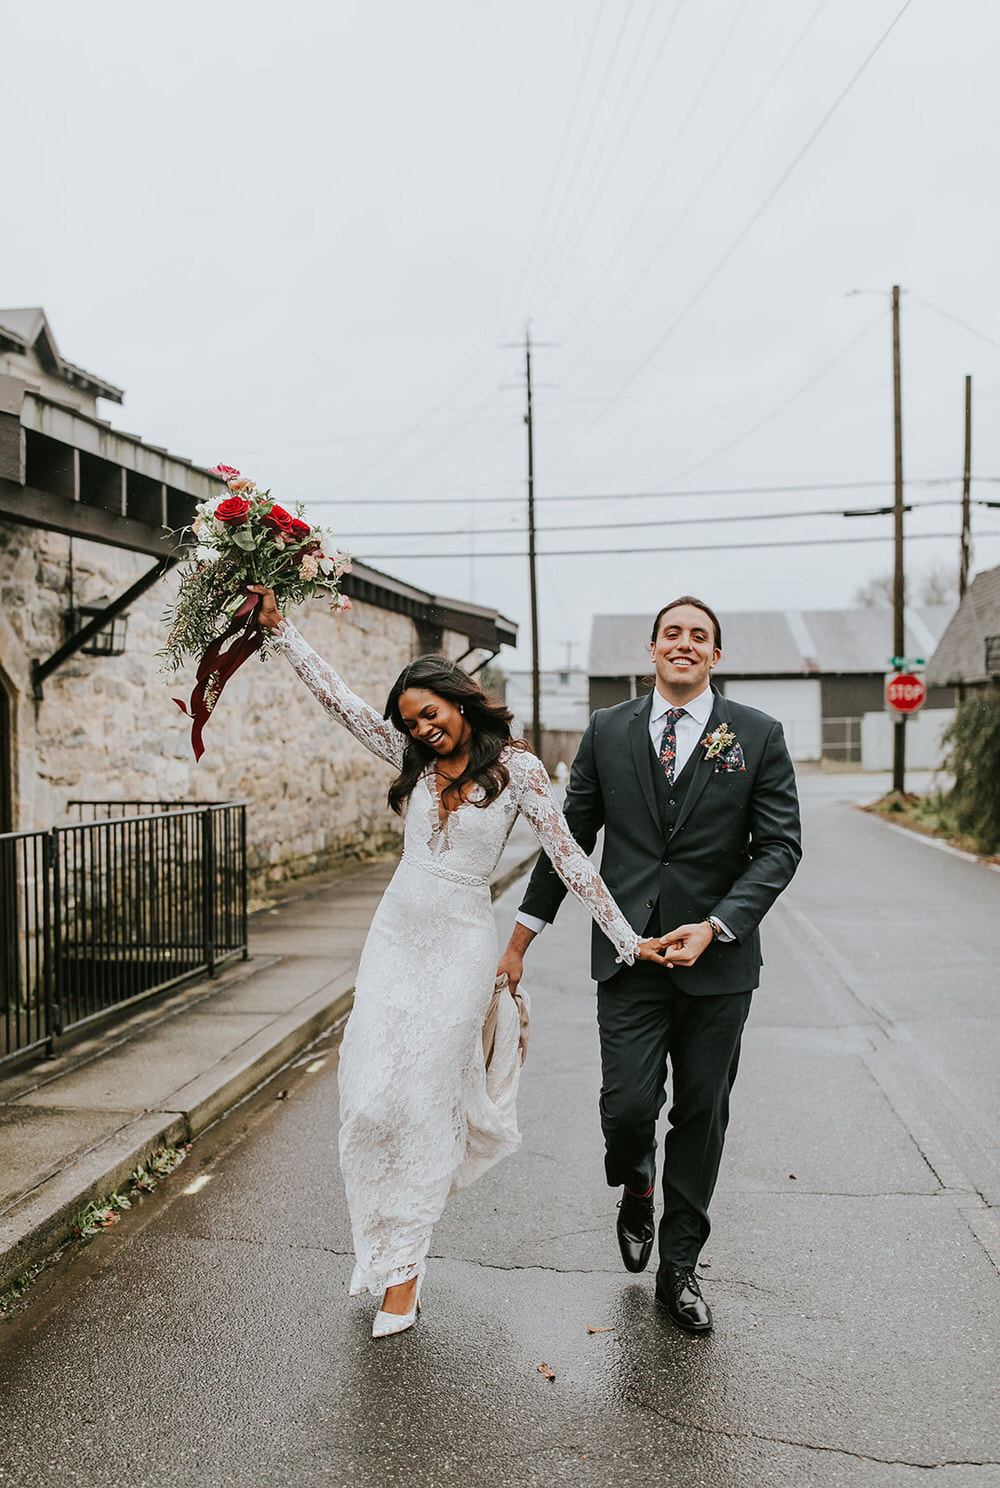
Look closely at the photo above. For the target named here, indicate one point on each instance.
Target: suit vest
(670, 799)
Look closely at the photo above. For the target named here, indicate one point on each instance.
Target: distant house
(565, 708)
(819, 671)
(968, 653)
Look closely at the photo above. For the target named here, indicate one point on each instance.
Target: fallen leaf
(706, 1263)
(592, 1329)
(548, 1372)
(792, 1175)
(281, 1095)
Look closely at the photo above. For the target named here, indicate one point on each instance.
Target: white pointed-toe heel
(396, 1322)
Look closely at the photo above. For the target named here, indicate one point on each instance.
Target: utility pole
(536, 681)
(966, 553)
(898, 583)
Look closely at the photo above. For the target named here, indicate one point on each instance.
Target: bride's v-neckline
(442, 811)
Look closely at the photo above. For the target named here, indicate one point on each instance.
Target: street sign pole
(898, 586)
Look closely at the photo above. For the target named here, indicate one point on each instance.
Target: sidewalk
(72, 1129)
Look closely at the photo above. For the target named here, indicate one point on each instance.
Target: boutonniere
(719, 741)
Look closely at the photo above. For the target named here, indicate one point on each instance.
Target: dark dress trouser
(644, 1019)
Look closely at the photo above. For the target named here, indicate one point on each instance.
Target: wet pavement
(208, 1339)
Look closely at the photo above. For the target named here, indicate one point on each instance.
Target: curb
(41, 1220)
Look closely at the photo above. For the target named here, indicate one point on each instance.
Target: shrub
(973, 744)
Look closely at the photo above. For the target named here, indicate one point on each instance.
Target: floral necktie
(668, 742)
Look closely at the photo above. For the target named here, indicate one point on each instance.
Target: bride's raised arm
(368, 727)
(541, 810)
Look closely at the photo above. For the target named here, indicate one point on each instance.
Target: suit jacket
(734, 845)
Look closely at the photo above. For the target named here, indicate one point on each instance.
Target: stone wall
(107, 728)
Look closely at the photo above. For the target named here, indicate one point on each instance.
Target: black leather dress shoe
(678, 1290)
(635, 1231)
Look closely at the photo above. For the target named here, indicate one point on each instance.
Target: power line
(915, 300)
(800, 542)
(575, 236)
(659, 522)
(723, 449)
(742, 235)
(499, 501)
(665, 166)
(566, 194)
(550, 188)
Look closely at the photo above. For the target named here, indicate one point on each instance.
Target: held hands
(684, 945)
(654, 950)
(268, 614)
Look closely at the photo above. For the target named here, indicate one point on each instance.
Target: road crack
(807, 1446)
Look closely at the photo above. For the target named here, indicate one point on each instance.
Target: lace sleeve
(541, 810)
(368, 727)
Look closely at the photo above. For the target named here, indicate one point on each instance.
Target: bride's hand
(654, 950)
(267, 611)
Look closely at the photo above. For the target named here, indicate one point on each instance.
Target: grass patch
(931, 815)
(101, 1215)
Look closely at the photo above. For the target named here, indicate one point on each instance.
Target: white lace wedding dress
(420, 1115)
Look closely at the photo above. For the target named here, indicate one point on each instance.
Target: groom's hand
(685, 944)
(512, 960)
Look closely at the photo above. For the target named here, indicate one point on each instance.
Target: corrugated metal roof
(961, 653)
(769, 643)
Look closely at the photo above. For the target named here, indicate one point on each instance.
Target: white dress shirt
(687, 732)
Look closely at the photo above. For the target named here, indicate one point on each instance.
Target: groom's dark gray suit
(723, 840)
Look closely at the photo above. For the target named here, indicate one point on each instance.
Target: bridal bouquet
(242, 537)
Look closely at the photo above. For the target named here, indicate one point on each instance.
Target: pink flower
(224, 472)
(309, 568)
(240, 483)
(339, 602)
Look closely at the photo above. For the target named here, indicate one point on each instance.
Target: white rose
(206, 555)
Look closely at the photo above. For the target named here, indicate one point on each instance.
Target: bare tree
(875, 594)
(936, 585)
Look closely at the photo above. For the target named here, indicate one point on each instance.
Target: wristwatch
(716, 927)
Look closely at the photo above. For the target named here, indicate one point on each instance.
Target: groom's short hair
(699, 604)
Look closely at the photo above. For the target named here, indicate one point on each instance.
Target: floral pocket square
(731, 760)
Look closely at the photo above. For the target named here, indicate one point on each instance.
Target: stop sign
(905, 692)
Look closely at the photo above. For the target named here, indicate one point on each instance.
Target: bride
(421, 1115)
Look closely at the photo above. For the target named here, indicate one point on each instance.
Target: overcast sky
(301, 235)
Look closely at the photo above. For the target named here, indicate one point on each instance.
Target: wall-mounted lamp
(110, 641)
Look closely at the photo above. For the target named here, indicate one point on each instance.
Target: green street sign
(906, 661)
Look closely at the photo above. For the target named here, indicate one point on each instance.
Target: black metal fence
(101, 912)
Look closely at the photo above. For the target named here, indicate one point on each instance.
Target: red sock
(635, 1195)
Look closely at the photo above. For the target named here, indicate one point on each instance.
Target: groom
(697, 799)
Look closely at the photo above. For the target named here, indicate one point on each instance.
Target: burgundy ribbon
(246, 636)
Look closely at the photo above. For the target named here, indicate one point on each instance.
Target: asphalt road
(208, 1339)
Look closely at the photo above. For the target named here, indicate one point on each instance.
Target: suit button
(671, 802)
(649, 903)
(666, 862)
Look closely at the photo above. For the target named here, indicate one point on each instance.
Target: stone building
(83, 508)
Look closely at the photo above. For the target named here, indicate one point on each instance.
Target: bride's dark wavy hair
(489, 720)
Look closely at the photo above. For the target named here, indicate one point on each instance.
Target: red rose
(280, 521)
(300, 529)
(233, 511)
